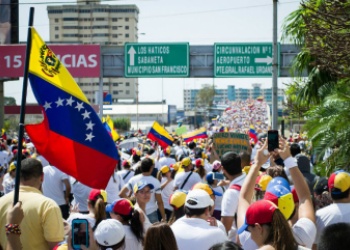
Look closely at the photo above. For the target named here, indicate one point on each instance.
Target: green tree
(328, 128)
(123, 124)
(295, 109)
(205, 97)
(9, 101)
(322, 29)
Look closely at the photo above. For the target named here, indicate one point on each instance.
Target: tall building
(223, 96)
(90, 22)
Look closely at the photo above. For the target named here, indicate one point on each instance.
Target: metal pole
(100, 97)
(2, 100)
(100, 89)
(162, 100)
(275, 69)
(137, 106)
(23, 105)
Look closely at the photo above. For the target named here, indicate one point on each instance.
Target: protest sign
(228, 141)
(181, 130)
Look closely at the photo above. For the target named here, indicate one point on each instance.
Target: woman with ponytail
(123, 211)
(166, 177)
(266, 220)
(97, 208)
(200, 169)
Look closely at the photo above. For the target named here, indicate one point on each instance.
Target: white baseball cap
(109, 232)
(198, 198)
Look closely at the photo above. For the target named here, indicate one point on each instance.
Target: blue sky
(199, 22)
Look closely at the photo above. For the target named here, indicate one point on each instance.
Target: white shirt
(123, 173)
(5, 158)
(166, 161)
(151, 206)
(146, 223)
(53, 184)
(181, 177)
(196, 234)
(81, 194)
(334, 213)
(43, 161)
(218, 199)
(304, 232)
(113, 188)
(131, 242)
(166, 192)
(8, 183)
(181, 151)
(207, 166)
(229, 204)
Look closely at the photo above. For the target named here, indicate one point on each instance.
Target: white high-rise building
(90, 22)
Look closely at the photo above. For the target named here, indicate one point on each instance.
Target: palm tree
(328, 128)
(317, 27)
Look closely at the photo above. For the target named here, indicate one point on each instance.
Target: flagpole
(23, 106)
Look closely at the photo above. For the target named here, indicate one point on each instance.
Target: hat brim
(109, 208)
(147, 185)
(216, 193)
(243, 228)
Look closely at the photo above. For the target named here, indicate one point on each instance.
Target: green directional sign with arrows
(243, 59)
(157, 60)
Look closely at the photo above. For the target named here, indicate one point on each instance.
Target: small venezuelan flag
(196, 134)
(159, 134)
(252, 133)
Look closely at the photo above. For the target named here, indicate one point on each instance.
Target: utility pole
(275, 70)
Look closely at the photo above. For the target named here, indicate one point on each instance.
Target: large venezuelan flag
(159, 134)
(196, 134)
(71, 136)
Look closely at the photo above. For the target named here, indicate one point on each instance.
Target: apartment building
(90, 22)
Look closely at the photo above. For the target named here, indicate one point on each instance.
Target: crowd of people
(239, 115)
(181, 197)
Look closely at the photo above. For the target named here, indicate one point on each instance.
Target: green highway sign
(156, 60)
(243, 59)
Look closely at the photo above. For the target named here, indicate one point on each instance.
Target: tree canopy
(322, 29)
(205, 97)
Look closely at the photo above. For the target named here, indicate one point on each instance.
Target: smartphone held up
(80, 233)
(272, 140)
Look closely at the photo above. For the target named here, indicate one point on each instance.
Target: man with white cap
(193, 230)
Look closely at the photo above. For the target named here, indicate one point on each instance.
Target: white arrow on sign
(267, 60)
(132, 53)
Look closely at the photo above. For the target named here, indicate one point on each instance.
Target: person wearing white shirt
(52, 186)
(5, 154)
(156, 201)
(123, 211)
(9, 179)
(166, 160)
(194, 231)
(231, 163)
(126, 173)
(166, 177)
(186, 179)
(339, 211)
(113, 188)
(80, 194)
